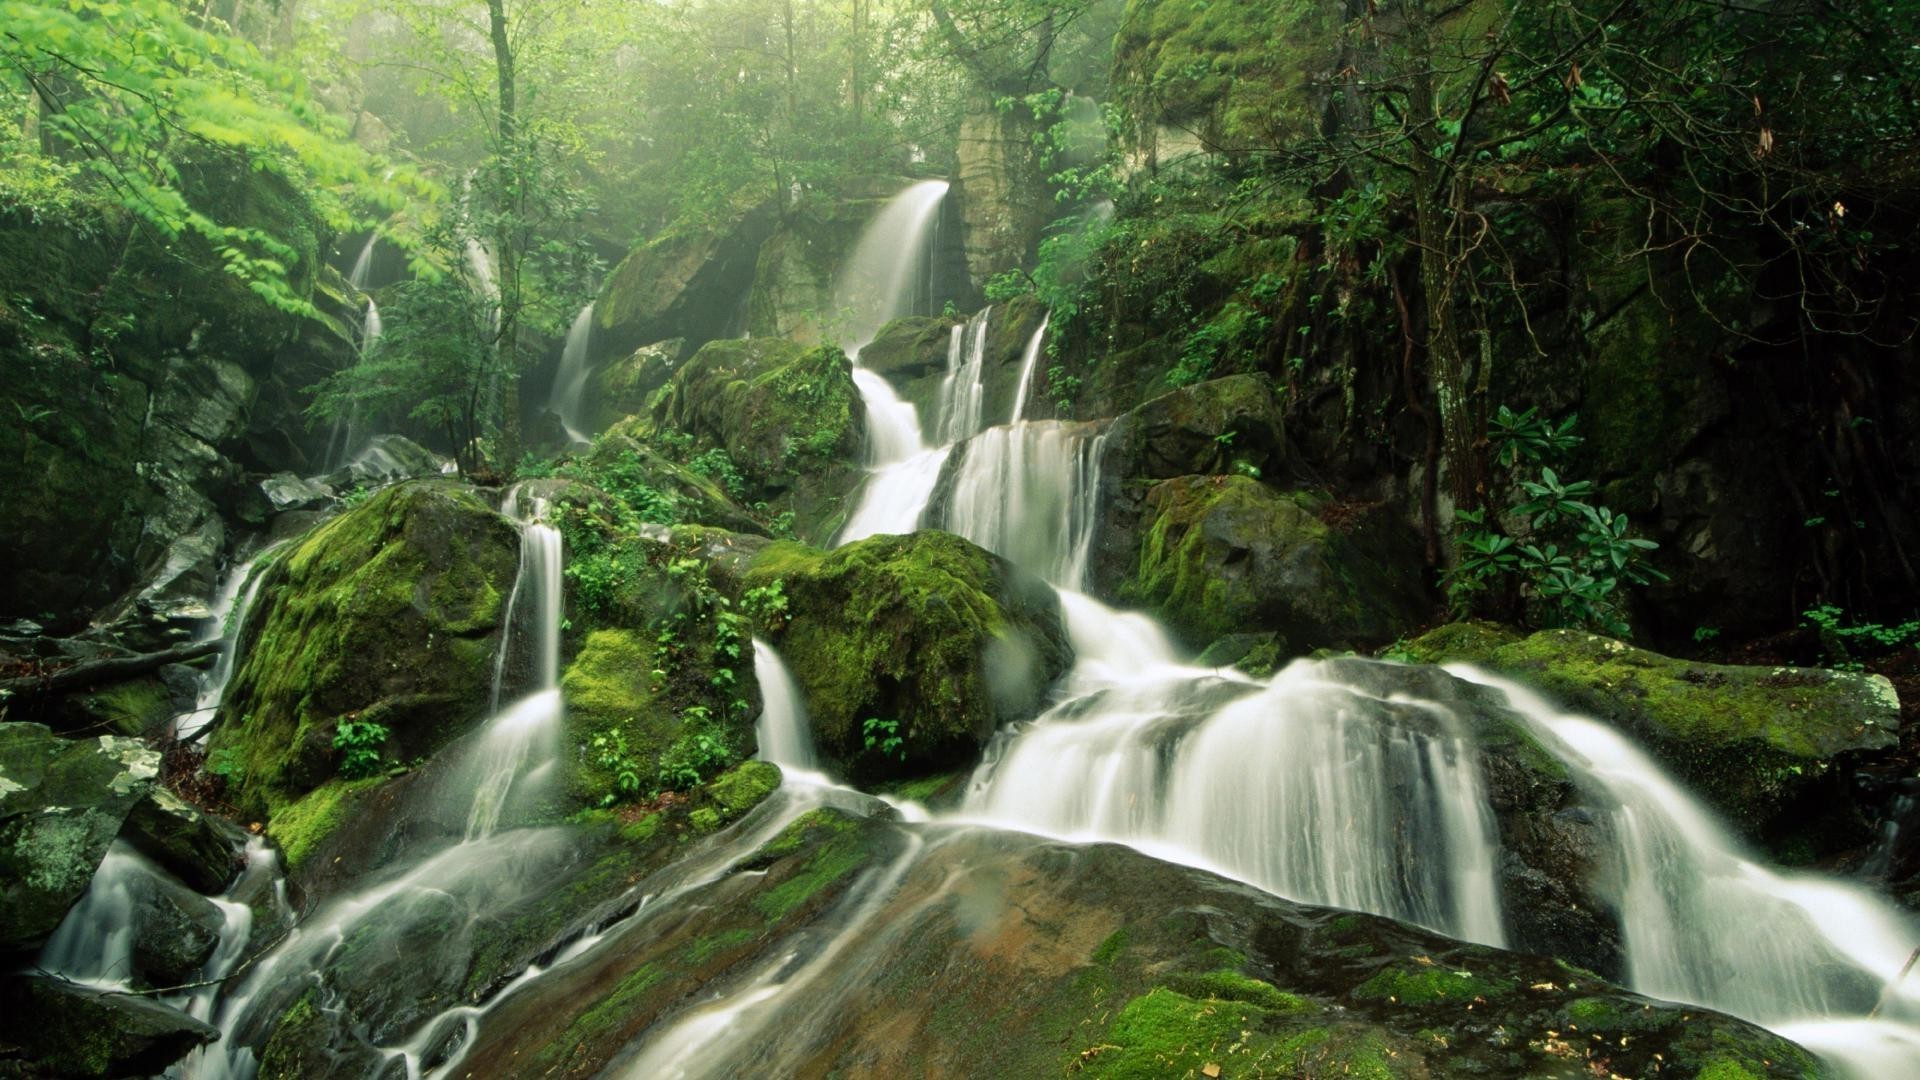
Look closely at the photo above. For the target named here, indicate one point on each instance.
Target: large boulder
(392, 613)
(62, 801)
(788, 418)
(622, 387)
(1001, 187)
(686, 283)
(1000, 954)
(925, 638)
(1220, 555)
(1764, 746)
(56, 1028)
(1218, 426)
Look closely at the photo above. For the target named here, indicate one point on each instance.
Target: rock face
(999, 954)
(1222, 555)
(1001, 189)
(59, 1029)
(924, 638)
(1209, 428)
(389, 613)
(682, 285)
(142, 394)
(787, 417)
(1761, 744)
(621, 388)
(61, 803)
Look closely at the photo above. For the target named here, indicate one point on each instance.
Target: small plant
(884, 736)
(1704, 634)
(766, 605)
(609, 751)
(1571, 557)
(359, 742)
(701, 751)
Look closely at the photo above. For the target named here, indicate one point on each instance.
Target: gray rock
(69, 1030)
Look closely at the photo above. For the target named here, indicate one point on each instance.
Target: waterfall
(363, 264)
(1028, 492)
(570, 380)
(1028, 360)
(962, 389)
(229, 617)
(881, 280)
(93, 945)
(784, 731)
(539, 587)
(1702, 922)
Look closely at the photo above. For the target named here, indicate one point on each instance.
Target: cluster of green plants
(1847, 643)
(1568, 558)
(359, 742)
(702, 751)
(882, 736)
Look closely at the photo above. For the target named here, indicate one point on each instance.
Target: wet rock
(399, 601)
(621, 388)
(1002, 954)
(285, 491)
(60, 1029)
(175, 930)
(62, 801)
(686, 284)
(189, 844)
(924, 638)
(1215, 427)
(1219, 555)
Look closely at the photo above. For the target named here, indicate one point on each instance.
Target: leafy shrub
(884, 736)
(359, 742)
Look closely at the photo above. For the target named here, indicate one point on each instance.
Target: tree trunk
(510, 214)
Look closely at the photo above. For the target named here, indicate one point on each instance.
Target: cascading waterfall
(570, 379)
(229, 616)
(961, 391)
(1028, 361)
(1800, 953)
(93, 945)
(784, 732)
(507, 763)
(878, 285)
(1027, 492)
(363, 264)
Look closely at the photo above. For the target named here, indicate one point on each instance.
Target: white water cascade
(784, 731)
(1028, 361)
(879, 284)
(1804, 954)
(228, 618)
(570, 379)
(363, 264)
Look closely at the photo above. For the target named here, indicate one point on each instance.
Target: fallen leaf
(1209, 1069)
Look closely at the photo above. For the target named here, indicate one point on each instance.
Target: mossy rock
(655, 488)
(622, 387)
(684, 283)
(397, 606)
(927, 633)
(1760, 744)
(1214, 427)
(1220, 555)
(64, 1029)
(788, 417)
(62, 801)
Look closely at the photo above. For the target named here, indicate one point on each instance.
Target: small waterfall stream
(229, 616)
(570, 379)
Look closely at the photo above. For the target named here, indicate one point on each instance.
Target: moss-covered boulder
(624, 476)
(685, 283)
(1232, 76)
(62, 801)
(788, 418)
(1763, 745)
(1221, 555)
(925, 639)
(392, 613)
(49, 1027)
(622, 387)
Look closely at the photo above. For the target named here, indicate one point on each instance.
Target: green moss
(605, 1014)
(1725, 1070)
(128, 708)
(641, 830)
(742, 788)
(805, 829)
(708, 947)
(840, 855)
(1229, 985)
(1109, 950)
(300, 827)
(299, 1034)
(614, 711)
(396, 603)
(1429, 985)
(1166, 1033)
